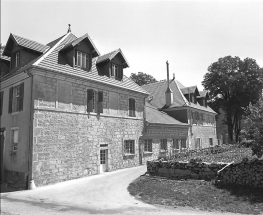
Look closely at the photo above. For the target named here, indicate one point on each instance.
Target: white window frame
(17, 59)
(146, 146)
(14, 144)
(16, 99)
(132, 143)
(114, 70)
(80, 62)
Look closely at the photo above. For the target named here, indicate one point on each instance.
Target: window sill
(126, 154)
(162, 150)
(14, 113)
(147, 153)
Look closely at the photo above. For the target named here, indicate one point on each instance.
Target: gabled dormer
(202, 99)
(191, 94)
(112, 64)
(22, 51)
(80, 52)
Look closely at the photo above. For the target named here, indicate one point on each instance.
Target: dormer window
(114, 71)
(17, 59)
(82, 60)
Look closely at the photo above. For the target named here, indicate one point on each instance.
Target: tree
(233, 84)
(142, 78)
(254, 127)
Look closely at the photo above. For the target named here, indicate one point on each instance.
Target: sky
(190, 34)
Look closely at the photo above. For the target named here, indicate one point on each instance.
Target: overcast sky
(189, 34)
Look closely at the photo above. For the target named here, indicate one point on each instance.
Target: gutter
(30, 182)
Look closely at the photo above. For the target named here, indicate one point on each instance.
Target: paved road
(99, 194)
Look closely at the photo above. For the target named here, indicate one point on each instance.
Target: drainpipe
(30, 182)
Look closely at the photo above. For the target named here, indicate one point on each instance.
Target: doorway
(103, 160)
(2, 142)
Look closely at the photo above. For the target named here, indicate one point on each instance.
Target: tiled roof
(153, 115)
(111, 55)
(77, 41)
(53, 61)
(52, 43)
(157, 96)
(4, 58)
(187, 90)
(202, 94)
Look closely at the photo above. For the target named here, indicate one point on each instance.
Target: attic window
(17, 59)
(114, 70)
(82, 60)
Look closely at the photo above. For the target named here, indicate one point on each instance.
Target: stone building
(187, 105)
(67, 111)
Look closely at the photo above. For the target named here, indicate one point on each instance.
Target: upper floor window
(131, 107)
(82, 60)
(14, 139)
(94, 101)
(16, 96)
(113, 103)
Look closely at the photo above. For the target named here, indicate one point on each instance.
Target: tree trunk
(230, 126)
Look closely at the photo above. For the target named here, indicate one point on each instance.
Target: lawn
(200, 194)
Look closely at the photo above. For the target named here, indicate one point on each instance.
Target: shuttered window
(94, 101)
(116, 71)
(90, 100)
(131, 107)
(148, 145)
(16, 98)
(82, 60)
(100, 102)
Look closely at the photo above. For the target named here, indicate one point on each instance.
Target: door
(103, 160)
(2, 141)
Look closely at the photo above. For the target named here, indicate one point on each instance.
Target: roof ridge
(50, 50)
(14, 35)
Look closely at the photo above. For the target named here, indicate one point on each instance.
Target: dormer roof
(203, 94)
(111, 55)
(80, 39)
(23, 42)
(189, 90)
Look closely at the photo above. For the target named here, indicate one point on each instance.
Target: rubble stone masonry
(67, 139)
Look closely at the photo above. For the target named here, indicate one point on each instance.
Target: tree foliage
(254, 127)
(142, 78)
(233, 84)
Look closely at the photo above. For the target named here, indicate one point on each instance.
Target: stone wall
(184, 170)
(245, 173)
(67, 139)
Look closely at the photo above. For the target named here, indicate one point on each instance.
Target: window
(114, 103)
(17, 59)
(114, 70)
(183, 143)
(14, 139)
(176, 144)
(129, 146)
(198, 143)
(1, 102)
(194, 116)
(82, 60)
(94, 101)
(148, 146)
(163, 144)
(16, 95)
(131, 107)
(211, 141)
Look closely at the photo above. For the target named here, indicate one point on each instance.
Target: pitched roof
(26, 43)
(153, 115)
(157, 96)
(51, 60)
(203, 94)
(188, 90)
(78, 40)
(111, 55)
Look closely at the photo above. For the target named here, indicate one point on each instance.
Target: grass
(198, 194)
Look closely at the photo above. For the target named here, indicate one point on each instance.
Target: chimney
(69, 30)
(168, 92)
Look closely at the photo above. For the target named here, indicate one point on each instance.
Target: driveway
(100, 194)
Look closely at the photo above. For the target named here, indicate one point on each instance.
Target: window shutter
(10, 99)
(1, 102)
(21, 96)
(131, 107)
(100, 102)
(120, 72)
(75, 60)
(89, 100)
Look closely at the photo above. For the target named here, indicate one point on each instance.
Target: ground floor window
(211, 141)
(148, 146)
(179, 144)
(163, 145)
(183, 143)
(198, 143)
(14, 139)
(129, 147)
